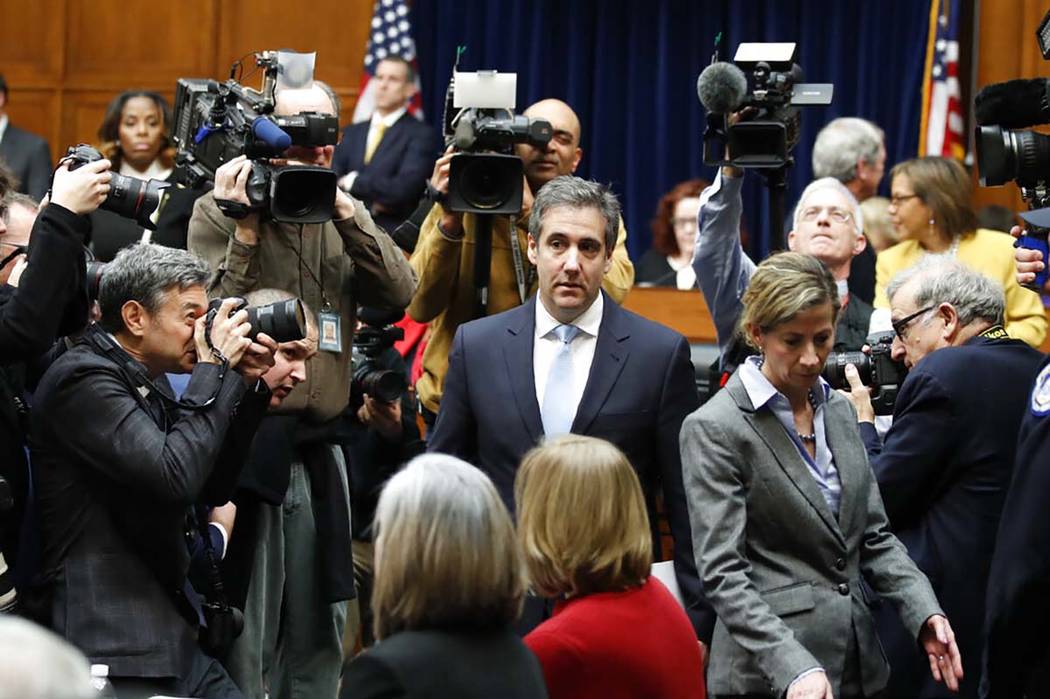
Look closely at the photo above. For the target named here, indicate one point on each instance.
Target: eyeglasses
(901, 326)
(837, 215)
(898, 199)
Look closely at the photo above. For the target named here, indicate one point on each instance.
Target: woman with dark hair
(616, 631)
(786, 515)
(135, 136)
(931, 211)
(668, 262)
(448, 586)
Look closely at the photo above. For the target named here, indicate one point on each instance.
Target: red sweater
(620, 645)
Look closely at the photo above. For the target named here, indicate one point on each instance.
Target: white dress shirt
(545, 346)
(155, 171)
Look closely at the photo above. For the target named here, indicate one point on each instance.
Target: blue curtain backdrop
(628, 68)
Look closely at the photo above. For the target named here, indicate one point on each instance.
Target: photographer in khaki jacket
(444, 256)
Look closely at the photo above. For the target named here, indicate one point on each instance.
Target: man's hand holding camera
(229, 339)
(859, 395)
(384, 418)
(230, 181)
(452, 221)
(81, 190)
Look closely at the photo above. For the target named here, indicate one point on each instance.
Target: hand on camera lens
(859, 395)
(257, 359)
(81, 190)
(384, 418)
(229, 334)
(1029, 262)
(451, 222)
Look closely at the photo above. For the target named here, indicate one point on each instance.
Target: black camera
(284, 321)
(376, 335)
(878, 371)
(485, 177)
(766, 78)
(216, 122)
(130, 197)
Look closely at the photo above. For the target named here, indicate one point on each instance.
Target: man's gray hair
(836, 186)
(145, 273)
(14, 199)
(841, 144)
(973, 295)
(37, 664)
(577, 193)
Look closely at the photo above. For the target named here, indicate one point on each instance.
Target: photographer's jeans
(291, 644)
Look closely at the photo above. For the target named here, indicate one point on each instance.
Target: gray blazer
(781, 572)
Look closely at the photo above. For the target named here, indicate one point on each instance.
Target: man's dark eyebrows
(558, 133)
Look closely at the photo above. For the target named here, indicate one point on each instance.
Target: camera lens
(1004, 155)
(284, 321)
(139, 200)
(302, 194)
(835, 368)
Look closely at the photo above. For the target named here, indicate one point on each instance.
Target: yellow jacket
(445, 295)
(988, 252)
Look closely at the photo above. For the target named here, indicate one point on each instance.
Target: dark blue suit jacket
(28, 157)
(943, 471)
(396, 175)
(640, 389)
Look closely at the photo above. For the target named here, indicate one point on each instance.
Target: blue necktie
(558, 412)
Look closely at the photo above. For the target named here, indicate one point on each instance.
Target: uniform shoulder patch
(1041, 392)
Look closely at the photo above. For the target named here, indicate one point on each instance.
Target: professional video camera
(215, 122)
(485, 177)
(284, 321)
(878, 371)
(766, 78)
(1005, 154)
(376, 335)
(130, 197)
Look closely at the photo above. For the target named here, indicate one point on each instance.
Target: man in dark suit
(118, 463)
(385, 161)
(945, 464)
(572, 360)
(24, 153)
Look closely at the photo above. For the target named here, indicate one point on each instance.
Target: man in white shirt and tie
(386, 161)
(572, 360)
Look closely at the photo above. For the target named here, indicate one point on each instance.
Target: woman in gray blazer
(786, 515)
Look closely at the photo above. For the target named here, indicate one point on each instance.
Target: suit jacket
(27, 155)
(782, 573)
(640, 388)
(396, 175)
(436, 664)
(115, 471)
(944, 470)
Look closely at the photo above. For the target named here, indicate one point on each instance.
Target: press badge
(330, 326)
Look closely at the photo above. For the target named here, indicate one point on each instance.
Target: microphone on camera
(271, 134)
(1014, 104)
(721, 88)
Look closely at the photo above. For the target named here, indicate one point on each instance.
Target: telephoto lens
(284, 321)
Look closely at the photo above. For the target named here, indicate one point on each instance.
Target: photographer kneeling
(946, 462)
(119, 463)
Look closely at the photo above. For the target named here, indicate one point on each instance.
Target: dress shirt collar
(589, 321)
(388, 120)
(843, 287)
(761, 391)
(156, 171)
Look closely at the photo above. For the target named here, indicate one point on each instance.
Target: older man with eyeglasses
(827, 224)
(945, 464)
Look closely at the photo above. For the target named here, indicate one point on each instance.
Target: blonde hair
(446, 556)
(784, 285)
(878, 226)
(582, 520)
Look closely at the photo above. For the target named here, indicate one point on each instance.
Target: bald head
(307, 99)
(562, 155)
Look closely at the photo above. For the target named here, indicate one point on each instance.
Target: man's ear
(532, 250)
(947, 313)
(860, 243)
(136, 318)
(576, 159)
(791, 240)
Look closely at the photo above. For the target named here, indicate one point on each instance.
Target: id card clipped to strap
(330, 329)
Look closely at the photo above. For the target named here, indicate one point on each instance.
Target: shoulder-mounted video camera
(216, 122)
(765, 77)
(1007, 150)
(485, 177)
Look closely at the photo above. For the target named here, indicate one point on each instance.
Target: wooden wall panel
(65, 59)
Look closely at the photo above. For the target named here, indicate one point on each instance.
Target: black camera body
(216, 122)
(766, 79)
(376, 335)
(485, 176)
(284, 321)
(878, 371)
(129, 197)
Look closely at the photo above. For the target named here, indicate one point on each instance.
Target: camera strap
(524, 280)
(996, 332)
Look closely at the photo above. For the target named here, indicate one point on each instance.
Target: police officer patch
(1041, 392)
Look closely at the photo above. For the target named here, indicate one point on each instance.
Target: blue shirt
(762, 393)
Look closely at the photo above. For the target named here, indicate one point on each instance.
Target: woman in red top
(616, 632)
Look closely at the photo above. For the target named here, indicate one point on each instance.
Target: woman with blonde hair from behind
(448, 586)
(616, 631)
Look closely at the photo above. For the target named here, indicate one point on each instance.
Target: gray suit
(781, 572)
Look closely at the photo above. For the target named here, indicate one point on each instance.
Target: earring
(932, 221)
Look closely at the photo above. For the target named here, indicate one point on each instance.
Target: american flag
(391, 35)
(943, 124)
